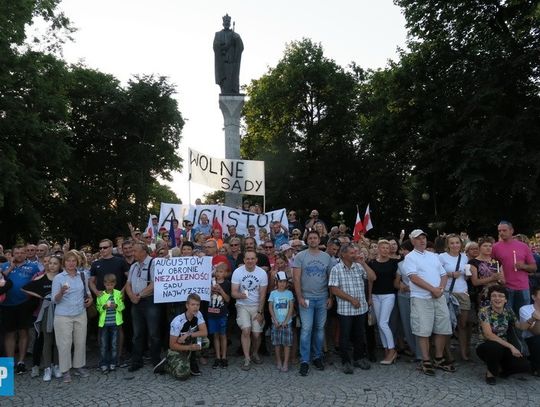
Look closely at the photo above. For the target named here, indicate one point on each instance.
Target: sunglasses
(103, 247)
(235, 244)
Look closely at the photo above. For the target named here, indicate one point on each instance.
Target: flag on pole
(172, 237)
(217, 225)
(150, 227)
(368, 225)
(358, 227)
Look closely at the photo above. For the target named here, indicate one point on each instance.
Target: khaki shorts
(245, 317)
(464, 301)
(430, 316)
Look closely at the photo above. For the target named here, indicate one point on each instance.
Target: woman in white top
(454, 261)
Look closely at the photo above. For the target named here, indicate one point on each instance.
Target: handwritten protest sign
(177, 277)
(240, 219)
(237, 176)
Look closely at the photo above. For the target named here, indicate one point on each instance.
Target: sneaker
(194, 369)
(35, 371)
(304, 369)
(224, 363)
(112, 368)
(104, 369)
(318, 364)
(160, 367)
(66, 377)
(21, 368)
(362, 364)
(56, 371)
(247, 364)
(47, 374)
(347, 368)
(81, 372)
(217, 363)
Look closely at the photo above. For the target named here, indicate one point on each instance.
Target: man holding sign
(249, 284)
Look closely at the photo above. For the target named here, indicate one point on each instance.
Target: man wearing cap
(429, 311)
(313, 218)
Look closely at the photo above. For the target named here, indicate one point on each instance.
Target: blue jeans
(312, 333)
(146, 317)
(108, 345)
(517, 299)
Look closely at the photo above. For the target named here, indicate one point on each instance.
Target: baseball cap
(284, 247)
(417, 232)
(281, 276)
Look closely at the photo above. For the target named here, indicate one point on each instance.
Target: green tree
(301, 120)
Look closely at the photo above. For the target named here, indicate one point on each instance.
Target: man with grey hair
(347, 284)
(144, 313)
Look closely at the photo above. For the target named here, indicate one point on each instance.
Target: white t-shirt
(249, 281)
(525, 313)
(425, 265)
(180, 324)
(449, 264)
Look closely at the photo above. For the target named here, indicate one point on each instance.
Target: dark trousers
(352, 327)
(146, 317)
(499, 359)
(534, 349)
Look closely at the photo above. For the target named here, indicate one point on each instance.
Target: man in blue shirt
(17, 309)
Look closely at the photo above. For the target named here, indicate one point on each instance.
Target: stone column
(231, 107)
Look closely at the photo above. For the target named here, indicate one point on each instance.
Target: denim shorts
(217, 325)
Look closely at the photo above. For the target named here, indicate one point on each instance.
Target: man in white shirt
(429, 311)
(249, 284)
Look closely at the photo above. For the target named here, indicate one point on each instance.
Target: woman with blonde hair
(71, 295)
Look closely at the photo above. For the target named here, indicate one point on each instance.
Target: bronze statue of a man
(228, 49)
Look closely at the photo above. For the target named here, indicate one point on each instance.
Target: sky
(174, 38)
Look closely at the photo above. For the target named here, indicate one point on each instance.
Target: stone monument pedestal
(231, 107)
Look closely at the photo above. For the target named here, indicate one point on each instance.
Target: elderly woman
(71, 295)
(496, 322)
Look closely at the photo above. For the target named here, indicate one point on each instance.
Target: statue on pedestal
(228, 49)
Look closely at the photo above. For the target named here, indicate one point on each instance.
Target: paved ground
(397, 385)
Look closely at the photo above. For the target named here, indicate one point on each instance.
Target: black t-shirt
(386, 272)
(218, 307)
(41, 286)
(115, 265)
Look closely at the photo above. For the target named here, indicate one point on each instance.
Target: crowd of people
(305, 290)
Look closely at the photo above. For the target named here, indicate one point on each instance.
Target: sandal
(427, 368)
(443, 364)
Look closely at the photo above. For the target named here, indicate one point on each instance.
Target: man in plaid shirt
(347, 284)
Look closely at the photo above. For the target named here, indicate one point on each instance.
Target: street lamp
(341, 217)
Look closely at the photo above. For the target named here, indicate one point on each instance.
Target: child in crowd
(188, 335)
(281, 308)
(110, 306)
(218, 311)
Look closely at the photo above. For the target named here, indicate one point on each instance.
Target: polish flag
(367, 220)
(358, 228)
(150, 228)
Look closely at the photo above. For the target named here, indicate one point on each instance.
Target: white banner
(177, 277)
(236, 176)
(169, 211)
(240, 219)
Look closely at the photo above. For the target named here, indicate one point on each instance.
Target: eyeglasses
(235, 244)
(103, 247)
(189, 225)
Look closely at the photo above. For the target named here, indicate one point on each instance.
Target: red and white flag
(150, 227)
(358, 228)
(367, 220)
